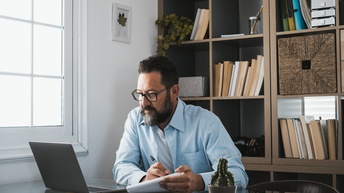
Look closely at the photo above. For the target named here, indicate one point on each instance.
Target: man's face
(160, 110)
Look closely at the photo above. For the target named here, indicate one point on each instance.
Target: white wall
(112, 75)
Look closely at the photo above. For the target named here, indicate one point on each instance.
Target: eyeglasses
(150, 96)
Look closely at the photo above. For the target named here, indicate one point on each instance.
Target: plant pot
(222, 189)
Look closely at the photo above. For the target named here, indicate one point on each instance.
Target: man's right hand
(155, 171)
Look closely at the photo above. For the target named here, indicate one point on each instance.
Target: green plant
(174, 29)
(222, 177)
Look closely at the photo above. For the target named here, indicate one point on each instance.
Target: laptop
(60, 170)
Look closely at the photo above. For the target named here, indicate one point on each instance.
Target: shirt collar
(177, 118)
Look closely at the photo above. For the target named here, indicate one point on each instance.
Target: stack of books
(306, 138)
(200, 25)
(239, 78)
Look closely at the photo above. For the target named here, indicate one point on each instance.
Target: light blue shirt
(195, 136)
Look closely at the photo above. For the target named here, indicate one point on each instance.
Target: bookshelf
(327, 171)
(254, 116)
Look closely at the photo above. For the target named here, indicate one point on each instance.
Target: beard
(151, 116)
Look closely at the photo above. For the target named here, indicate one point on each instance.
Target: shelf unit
(257, 115)
(330, 172)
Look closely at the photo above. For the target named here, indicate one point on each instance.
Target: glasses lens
(137, 96)
(151, 96)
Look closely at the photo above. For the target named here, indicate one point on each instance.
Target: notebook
(60, 170)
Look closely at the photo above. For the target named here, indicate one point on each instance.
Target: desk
(37, 186)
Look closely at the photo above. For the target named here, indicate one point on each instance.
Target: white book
(234, 78)
(196, 24)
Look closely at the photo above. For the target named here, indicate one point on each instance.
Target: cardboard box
(196, 86)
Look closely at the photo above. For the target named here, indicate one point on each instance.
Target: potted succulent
(222, 180)
(174, 29)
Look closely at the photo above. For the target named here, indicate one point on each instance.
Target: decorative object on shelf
(251, 147)
(307, 64)
(222, 180)
(175, 29)
(121, 23)
(195, 86)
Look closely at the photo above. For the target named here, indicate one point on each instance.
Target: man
(164, 135)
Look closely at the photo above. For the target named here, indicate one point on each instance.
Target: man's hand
(156, 170)
(187, 182)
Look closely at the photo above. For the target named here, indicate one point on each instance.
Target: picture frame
(121, 23)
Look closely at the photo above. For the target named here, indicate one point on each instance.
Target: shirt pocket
(197, 161)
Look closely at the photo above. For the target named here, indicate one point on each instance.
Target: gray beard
(154, 117)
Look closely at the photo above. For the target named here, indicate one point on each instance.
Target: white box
(323, 22)
(196, 86)
(320, 4)
(323, 13)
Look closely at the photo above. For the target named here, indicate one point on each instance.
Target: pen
(152, 158)
(257, 18)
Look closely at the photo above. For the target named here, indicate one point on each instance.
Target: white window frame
(80, 143)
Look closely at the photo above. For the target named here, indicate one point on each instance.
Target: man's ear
(175, 90)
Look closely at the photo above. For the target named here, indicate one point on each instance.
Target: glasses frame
(149, 93)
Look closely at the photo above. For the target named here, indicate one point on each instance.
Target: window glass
(15, 46)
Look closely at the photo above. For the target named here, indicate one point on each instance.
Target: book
(301, 139)
(227, 73)
(304, 120)
(204, 23)
(234, 78)
(317, 140)
(196, 24)
(240, 83)
(250, 77)
(248, 80)
(255, 75)
(332, 138)
(324, 134)
(293, 139)
(299, 21)
(260, 77)
(284, 15)
(285, 138)
(231, 35)
(290, 14)
(218, 79)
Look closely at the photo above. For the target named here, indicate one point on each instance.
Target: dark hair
(162, 64)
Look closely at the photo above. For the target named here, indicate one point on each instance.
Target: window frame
(79, 99)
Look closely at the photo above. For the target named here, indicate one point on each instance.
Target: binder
(284, 15)
(290, 13)
(299, 21)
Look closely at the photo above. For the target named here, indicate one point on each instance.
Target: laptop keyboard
(95, 189)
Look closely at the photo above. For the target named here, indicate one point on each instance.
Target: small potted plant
(222, 180)
(174, 29)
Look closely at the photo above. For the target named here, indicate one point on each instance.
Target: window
(41, 81)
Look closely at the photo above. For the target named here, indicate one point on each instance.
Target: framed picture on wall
(121, 23)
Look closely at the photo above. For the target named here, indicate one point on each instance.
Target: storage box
(328, 21)
(307, 64)
(320, 4)
(331, 12)
(196, 86)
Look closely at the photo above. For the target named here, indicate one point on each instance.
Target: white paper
(149, 186)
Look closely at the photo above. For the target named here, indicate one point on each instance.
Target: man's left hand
(187, 182)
